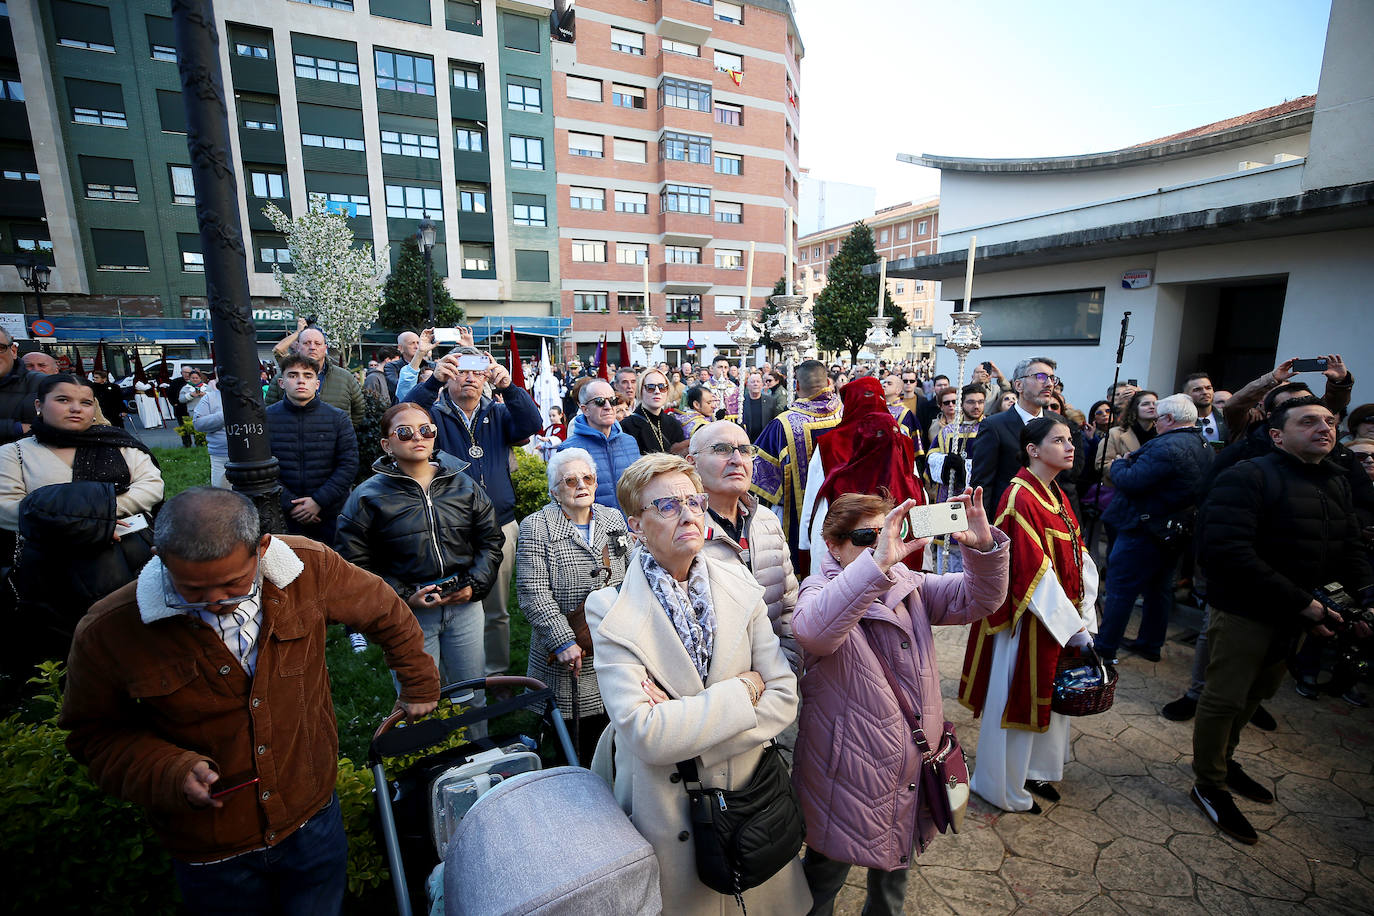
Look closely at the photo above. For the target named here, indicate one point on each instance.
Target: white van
(151, 369)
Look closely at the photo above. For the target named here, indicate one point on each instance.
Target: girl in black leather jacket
(428, 529)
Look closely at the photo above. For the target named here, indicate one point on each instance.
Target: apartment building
(389, 111)
(904, 230)
(676, 134)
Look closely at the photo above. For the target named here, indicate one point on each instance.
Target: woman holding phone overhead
(1009, 666)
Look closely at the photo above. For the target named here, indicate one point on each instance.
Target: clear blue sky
(1002, 78)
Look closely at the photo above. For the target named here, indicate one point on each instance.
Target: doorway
(1231, 330)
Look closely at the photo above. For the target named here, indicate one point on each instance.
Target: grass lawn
(183, 468)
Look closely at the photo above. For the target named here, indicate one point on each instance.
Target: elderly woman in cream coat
(689, 667)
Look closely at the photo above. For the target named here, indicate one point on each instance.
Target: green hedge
(531, 484)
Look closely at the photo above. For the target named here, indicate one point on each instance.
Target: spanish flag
(736, 75)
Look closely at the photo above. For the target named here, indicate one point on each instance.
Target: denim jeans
(304, 875)
(453, 638)
(825, 877)
(1137, 564)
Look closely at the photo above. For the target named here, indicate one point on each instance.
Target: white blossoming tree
(340, 284)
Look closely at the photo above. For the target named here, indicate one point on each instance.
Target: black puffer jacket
(317, 451)
(391, 527)
(1275, 528)
(18, 390)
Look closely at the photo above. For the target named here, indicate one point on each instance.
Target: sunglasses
(588, 480)
(724, 449)
(600, 402)
(672, 506)
(861, 537)
(655, 386)
(406, 433)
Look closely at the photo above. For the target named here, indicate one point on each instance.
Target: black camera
(311, 320)
(1334, 597)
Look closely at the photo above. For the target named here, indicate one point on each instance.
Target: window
(921, 228)
(631, 253)
(462, 13)
(587, 198)
(680, 308)
(729, 12)
(729, 164)
(477, 257)
(681, 47)
(629, 302)
(183, 188)
(404, 72)
(629, 150)
(727, 304)
(529, 210)
(326, 70)
(631, 202)
(467, 77)
(590, 302)
(472, 198)
(193, 262)
(729, 213)
(627, 96)
(725, 62)
(258, 115)
(829, 249)
(581, 88)
(81, 25)
(522, 32)
(627, 42)
(522, 94)
(527, 153)
(165, 53)
(729, 259)
(11, 90)
(247, 49)
(95, 103)
(270, 255)
(412, 202)
(680, 254)
(725, 113)
(902, 231)
(684, 147)
(1070, 315)
(329, 4)
(588, 251)
(469, 139)
(417, 146)
(119, 249)
(531, 266)
(676, 93)
(918, 314)
(171, 110)
(816, 252)
(348, 143)
(105, 179)
(920, 288)
(882, 236)
(26, 242)
(101, 116)
(26, 175)
(590, 145)
(162, 40)
(268, 185)
(681, 198)
(348, 204)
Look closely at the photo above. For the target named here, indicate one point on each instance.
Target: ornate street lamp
(35, 275)
(426, 237)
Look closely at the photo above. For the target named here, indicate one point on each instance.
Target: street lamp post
(35, 275)
(426, 237)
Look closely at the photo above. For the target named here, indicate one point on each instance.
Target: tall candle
(646, 284)
(968, 274)
(749, 277)
(787, 245)
(882, 284)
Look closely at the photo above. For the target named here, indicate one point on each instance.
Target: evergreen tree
(403, 299)
(850, 299)
(770, 311)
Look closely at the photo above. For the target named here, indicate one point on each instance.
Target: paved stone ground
(1126, 838)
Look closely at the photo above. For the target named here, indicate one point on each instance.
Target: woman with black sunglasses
(429, 531)
(864, 622)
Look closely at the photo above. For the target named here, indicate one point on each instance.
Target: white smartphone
(135, 522)
(445, 335)
(935, 519)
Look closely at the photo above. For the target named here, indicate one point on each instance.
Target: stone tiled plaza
(1126, 838)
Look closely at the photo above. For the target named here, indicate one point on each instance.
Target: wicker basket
(1084, 685)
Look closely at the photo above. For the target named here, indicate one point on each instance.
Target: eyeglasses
(861, 537)
(588, 480)
(655, 386)
(724, 449)
(172, 598)
(1042, 377)
(671, 506)
(406, 433)
(600, 402)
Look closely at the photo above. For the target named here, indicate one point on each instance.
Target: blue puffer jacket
(1160, 478)
(317, 451)
(612, 455)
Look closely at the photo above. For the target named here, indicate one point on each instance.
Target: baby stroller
(423, 811)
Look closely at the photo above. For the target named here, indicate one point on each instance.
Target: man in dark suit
(996, 452)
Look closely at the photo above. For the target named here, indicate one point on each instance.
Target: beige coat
(41, 467)
(635, 639)
(1119, 443)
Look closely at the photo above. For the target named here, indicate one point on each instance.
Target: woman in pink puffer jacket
(856, 764)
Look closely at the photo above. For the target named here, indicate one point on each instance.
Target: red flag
(624, 350)
(736, 75)
(601, 371)
(517, 369)
(99, 365)
(78, 363)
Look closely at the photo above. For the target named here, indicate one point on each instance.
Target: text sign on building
(1137, 279)
(202, 313)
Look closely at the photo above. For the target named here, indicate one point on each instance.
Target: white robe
(151, 411)
(1007, 757)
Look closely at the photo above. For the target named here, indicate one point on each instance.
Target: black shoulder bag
(743, 837)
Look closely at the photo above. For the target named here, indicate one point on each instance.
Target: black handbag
(743, 837)
(1170, 531)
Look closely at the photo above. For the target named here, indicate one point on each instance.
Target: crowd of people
(719, 558)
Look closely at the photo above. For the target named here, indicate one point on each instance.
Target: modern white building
(1232, 246)
(823, 203)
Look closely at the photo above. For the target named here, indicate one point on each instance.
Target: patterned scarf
(689, 607)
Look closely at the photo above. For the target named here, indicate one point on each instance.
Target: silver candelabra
(964, 337)
(789, 332)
